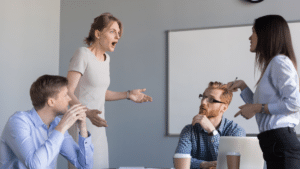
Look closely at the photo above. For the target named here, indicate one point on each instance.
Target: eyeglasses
(209, 99)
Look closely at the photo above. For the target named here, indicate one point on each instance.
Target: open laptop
(248, 147)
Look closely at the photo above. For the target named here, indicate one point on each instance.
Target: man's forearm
(83, 130)
(61, 128)
(84, 133)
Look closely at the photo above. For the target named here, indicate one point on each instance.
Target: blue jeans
(281, 148)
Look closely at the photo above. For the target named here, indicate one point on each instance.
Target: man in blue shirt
(34, 138)
(201, 138)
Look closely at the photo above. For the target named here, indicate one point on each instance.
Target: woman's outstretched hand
(92, 114)
(137, 96)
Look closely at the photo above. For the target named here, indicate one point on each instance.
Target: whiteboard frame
(169, 67)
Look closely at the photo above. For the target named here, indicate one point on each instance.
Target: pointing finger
(237, 114)
(242, 106)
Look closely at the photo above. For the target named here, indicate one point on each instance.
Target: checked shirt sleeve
(185, 145)
(214, 145)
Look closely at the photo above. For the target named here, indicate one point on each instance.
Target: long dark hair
(274, 38)
(100, 23)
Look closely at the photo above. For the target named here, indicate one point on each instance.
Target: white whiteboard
(197, 57)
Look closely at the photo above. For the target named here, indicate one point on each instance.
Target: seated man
(34, 138)
(201, 138)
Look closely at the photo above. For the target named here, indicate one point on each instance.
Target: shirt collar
(35, 118)
(221, 127)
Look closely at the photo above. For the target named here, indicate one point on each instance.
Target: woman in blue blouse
(276, 101)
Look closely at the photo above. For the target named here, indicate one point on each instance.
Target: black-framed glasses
(209, 99)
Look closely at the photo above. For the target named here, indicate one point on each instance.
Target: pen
(234, 81)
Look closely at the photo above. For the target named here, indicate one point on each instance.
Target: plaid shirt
(195, 141)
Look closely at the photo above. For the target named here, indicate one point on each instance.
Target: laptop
(248, 147)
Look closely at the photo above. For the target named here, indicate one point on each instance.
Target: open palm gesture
(137, 96)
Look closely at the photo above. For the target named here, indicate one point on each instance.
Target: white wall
(29, 48)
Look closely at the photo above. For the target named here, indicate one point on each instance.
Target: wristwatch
(213, 133)
(263, 108)
(127, 94)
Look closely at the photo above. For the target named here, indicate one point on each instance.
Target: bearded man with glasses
(201, 138)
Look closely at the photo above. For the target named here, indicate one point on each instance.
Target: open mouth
(114, 44)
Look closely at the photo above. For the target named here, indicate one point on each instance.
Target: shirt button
(85, 142)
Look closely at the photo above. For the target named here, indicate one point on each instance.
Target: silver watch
(214, 132)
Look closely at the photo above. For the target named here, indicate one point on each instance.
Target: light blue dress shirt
(279, 88)
(26, 142)
(195, 141)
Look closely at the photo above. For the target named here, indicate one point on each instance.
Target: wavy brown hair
(274, 37)
(101, 22)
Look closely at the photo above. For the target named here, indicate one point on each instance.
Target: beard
(209, 114)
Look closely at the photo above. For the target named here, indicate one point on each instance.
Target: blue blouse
(279, 88)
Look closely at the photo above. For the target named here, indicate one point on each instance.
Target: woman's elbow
(293, 108)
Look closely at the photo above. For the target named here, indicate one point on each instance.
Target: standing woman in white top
(89, 79)
(276, 101)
